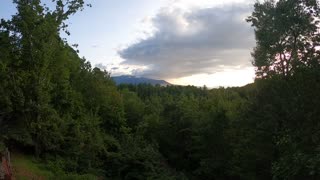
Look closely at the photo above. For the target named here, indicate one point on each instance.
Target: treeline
(74, 118)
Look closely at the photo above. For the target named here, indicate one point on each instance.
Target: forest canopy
(74, 119)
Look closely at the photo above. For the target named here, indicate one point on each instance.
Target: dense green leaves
(286, 35)
(55, 106)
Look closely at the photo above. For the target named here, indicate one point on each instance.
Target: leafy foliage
(287, 36)
(73, 117)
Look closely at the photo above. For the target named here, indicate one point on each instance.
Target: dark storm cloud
(200, 41)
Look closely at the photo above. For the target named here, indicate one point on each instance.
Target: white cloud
(190, 42)
(186, 4)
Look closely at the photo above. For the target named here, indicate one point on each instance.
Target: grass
(26, 167)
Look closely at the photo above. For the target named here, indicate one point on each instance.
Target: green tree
(34, 39)
(287, 57)
(286, 36)
(134, 108)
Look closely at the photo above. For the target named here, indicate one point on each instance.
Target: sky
(185, 42)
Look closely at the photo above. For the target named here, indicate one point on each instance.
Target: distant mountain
(138, 80)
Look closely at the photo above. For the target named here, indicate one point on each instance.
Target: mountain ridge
(129, 79)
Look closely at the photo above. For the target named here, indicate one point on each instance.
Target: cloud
(94, 45)
(116, 69)
(101, 66)
(200, 41)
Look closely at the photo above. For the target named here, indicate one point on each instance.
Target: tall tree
(34, 39)
(287, 36)
(285, 108)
